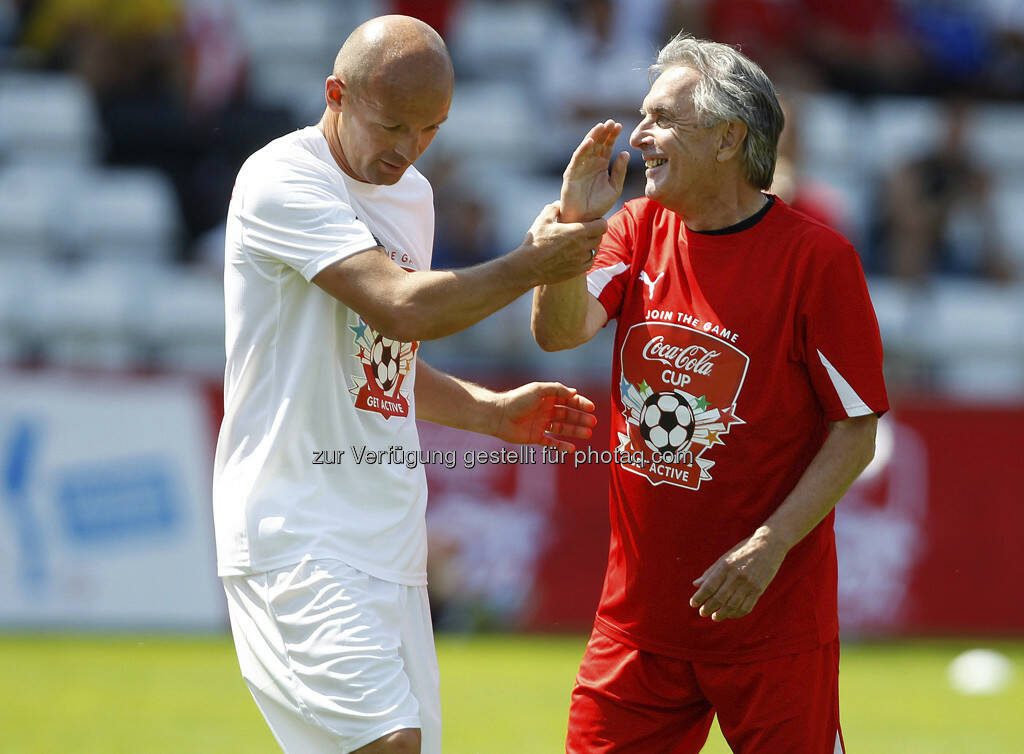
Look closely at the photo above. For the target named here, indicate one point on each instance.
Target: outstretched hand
(735, 582)
(588, 189)
(543, 412)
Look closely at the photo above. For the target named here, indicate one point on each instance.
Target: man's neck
(328, 126)
(723, 210)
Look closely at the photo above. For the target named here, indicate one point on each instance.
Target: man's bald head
(397, 53)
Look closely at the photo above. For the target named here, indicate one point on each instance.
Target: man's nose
(411, 147)
(639, 137)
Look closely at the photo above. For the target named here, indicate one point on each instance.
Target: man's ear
(731, 142)
(334, 92)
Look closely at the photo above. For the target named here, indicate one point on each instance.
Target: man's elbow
(865, 429)
(396, 323)
(553, 340)
(867, 451)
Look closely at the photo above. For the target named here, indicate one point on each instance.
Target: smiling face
(681, 156)
(382, 131)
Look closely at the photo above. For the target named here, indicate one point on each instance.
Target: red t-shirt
(733, 352)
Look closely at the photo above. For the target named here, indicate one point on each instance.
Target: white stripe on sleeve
(598, 279)
(852, 402)
(838, 748)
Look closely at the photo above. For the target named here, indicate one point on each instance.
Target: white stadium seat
(491, 121)
(969, 318)
(996, 136)
(1008, 200)
(36, 197)
(898, 129)
(184, 323)
(48, 118)
(499, 39)
(282, 30)
(831, 130)
(81, 314)
(130, 213)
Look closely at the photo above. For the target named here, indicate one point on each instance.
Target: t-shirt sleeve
(302, 222)
(608, 278)
(839, 339)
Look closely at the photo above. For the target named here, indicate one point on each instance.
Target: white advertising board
(105, 517)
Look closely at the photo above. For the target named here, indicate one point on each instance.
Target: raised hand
(588, 189)
(540, 412)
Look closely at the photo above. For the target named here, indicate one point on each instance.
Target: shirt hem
(405, 578)
(768, 651)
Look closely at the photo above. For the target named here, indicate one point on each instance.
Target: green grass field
(149, 695)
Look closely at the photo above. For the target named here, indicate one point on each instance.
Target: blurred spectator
(804, 194)
(954, 37)
(465, 233)
(862, 47)
(437, 13)
(935, 215)
(768, 31)
(588, 71)
(169, 82)
(1006, 75)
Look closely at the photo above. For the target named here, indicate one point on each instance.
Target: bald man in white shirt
(328, 289)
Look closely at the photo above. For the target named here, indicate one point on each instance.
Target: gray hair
(731, 87)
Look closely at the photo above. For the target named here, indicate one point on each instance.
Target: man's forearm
(433, 304)
(427, 304)
(566, 315)
(847, 450)
(444, 399)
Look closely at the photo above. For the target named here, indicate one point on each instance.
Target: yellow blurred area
(119, 19)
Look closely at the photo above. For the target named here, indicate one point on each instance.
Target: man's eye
(392, 129)
(662, 122)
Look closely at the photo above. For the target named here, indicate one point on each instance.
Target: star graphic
(728, 418)
(359, 331)
(702, 403)
(712, 437)
(643, 388)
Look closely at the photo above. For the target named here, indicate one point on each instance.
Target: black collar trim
(750, 222)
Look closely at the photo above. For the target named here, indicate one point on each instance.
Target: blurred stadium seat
(130, 213)
(35, 202)
(498, 40)
(291, 48)
(996, 136)
(47, 117)
(80, 314)
(491, 121)
(898, 128)
(184, 322)
(1008, 199)
(831, 129)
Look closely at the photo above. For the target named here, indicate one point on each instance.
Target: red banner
(928, 537)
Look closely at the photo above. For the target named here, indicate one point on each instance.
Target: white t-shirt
(307, 378)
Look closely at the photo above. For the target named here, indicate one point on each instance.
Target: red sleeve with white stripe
(607, 279)
(842, 347)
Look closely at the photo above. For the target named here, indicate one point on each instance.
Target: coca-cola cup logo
(691, 358)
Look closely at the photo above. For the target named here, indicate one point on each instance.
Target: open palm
(543, 413)
(588, 189)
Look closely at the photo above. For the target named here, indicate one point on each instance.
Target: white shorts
(334, 657)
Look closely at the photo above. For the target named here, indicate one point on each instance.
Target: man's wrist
(517, 268)
(774, 536)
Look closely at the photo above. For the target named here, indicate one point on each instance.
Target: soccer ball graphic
(666, 422)
(384, 361)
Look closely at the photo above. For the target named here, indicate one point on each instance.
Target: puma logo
(646, 280)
